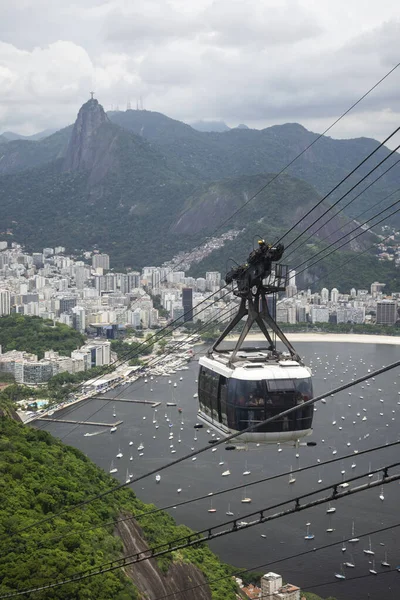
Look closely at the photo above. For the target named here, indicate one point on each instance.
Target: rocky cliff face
(148, 578)
(82, 152)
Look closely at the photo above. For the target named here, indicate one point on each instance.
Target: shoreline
(350, 338)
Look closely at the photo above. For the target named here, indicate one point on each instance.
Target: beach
(331, 337)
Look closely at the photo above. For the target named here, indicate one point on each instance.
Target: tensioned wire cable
(149, 365)
(356, 217)
(308, 147)
(147, 342)
(280, 560)
(337, 201)
(195, 539)
(231, 436)
(346, 235)
(303, 242)
(157, 359)
(345, 243)
(179, 460)
(253, 483)
(344, 264)
(288, 165)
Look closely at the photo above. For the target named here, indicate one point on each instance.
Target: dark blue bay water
(331, 364)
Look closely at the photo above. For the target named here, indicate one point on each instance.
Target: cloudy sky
(258, 62)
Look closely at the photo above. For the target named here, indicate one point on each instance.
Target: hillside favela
(199, 300)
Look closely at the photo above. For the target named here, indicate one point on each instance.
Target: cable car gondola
(241, 387)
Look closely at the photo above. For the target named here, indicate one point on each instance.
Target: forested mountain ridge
(40, 476)
(143, 187)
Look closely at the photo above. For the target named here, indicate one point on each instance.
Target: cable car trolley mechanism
(241, 387)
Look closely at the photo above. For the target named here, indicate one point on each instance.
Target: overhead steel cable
(157, 359)
(253, 483)
(307, 148)
(276, 561)
(232, 436)
(344, 264)
(147, 342)
(356, 217)
(337, 201)
(215, 532)
(303, 242)
(346, 235)
(345, 243)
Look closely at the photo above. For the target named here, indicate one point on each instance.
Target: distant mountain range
(142, 186)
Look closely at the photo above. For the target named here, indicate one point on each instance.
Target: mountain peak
(80, 152)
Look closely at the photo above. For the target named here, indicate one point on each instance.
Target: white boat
(140, 447)
(195, 395)
(343, 546)
(114, 413)
(340, 575)
(158, 478)
(373, 571)
(330, 509)
(119, 455)
(350, 563)
(131, 443)
(385, 563)
(171, 403)
(245, 499)
(309, 536)
(369, 550)
(381, 495)
(225, 473)
(128, 477)
(131, 457)
(292, 478)
(112, 468)
(179, 490)
(211, 509)
(229, 512)
(113, 429)
(246, 471)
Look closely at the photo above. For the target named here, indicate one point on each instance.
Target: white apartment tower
(101, 261)
(5, 306)
(270, 584)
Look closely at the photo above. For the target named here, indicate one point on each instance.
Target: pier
(71, 422)
(132, 400)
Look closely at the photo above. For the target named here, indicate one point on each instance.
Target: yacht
(385, 563)
(373, 571)
(229, 512)
(309, 536)
(119, 455)
(353, 539)
(245, 499)
(330, 509)
(369, 550)
(112, 468)
(140, 447)
(292, 478)
(158, 478)
(225, 473)
(113, 429)
(340, 575)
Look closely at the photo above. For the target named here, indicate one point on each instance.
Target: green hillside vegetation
(249, 152)
(41, 476)
(18, 155)
(36, 335)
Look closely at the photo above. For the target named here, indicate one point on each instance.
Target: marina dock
(133, 401)
(70, 421)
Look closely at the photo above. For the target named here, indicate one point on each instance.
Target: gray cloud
(260, 62)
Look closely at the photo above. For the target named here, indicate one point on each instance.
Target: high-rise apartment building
(101, 261)
(386, 312)
(5, 302)
(187, 303)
